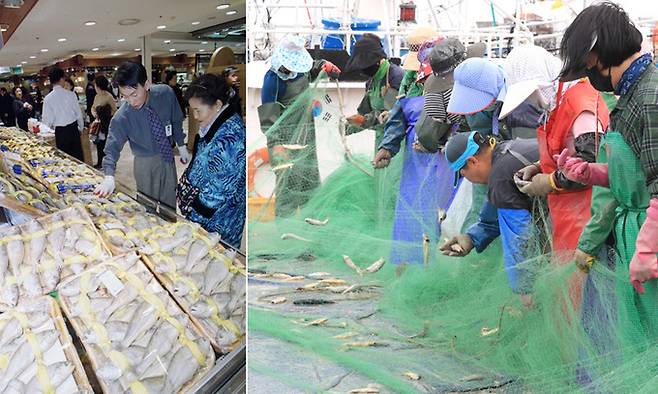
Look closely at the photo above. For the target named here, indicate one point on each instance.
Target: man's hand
(106, 187)
(539, 186)
(419, 148)
(458, 246)
(184, 154)
(382, 158)
(584, 261)
(526, 173)
(383, 117)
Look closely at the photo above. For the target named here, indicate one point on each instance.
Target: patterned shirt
(636, 118)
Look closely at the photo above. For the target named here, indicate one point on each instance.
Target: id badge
(168, 129)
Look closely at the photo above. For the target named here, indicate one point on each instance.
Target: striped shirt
(436, 104)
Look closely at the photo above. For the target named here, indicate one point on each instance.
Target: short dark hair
(208, 88)
(130, 74)
(13, 91)
(102, 83)
(169, 74)
(3, 89)
(91, 77)
(55, 75)
(617, 38)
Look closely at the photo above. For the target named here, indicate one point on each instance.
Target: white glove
(106, 187)
(184, 154)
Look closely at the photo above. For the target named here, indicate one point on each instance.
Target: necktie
(158, 132)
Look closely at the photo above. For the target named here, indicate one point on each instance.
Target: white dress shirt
(61, 108)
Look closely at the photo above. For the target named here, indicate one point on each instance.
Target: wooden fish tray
(128, 271)
(169, 284)
(75, 215)
(67, 347)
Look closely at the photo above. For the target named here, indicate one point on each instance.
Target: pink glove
(644, 265)
(581, 171)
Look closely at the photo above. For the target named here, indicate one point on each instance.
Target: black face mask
(371, 71)
(598, 80)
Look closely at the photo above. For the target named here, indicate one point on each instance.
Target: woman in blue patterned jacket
(211, 192)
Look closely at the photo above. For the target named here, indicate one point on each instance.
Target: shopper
(148, 118)
(233, 79)
(170, 79)
(211, 191)
(102, 98)
(61, 112)
(7, 115)
(23, 108)
(90, 94)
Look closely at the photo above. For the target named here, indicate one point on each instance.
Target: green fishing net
(424, 322)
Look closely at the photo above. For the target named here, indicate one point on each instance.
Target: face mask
(598, 80)
(371, 71)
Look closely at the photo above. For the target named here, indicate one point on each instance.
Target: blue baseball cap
(478, 83)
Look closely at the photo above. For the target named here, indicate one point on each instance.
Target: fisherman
(485, 160)
(291, 70)
(577, 114)
(603, 44)
(382, 87)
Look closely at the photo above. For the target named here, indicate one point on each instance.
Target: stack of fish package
(37, 255)
(23, 190)
(60, 173)
(36, 352)
(137, 338)
(206, 279)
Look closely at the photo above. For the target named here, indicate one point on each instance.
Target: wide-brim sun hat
(415, 40)
(424, 69)
(444, 58)
(532, 73)
(367, 51)
(291, 54)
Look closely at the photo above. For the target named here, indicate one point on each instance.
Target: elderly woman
(211, 191)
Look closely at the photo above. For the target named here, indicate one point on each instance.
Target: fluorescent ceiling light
(232, 12)
(161, 27)
(167, 41)
(44, 50)
(223, 6)
(61, 39)
(33, 57)
(196, 23)
(90, 23)
(121, 40)
(172, 50)
(94, 49)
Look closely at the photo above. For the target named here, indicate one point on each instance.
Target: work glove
(644, 264)
(357, 120)
(420, 148)
(459, 246)
(382, 117)
(332, 71)
(578, 170)
(382, 158)
(539, 186)
(106, 187)
(584, 261)
(526, 173)
(184, 154)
